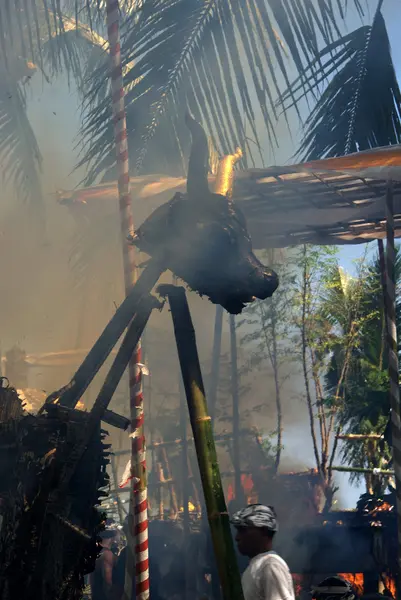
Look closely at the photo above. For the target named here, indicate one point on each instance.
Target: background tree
(365, 407)
(265, 334)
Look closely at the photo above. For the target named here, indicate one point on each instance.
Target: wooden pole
(236, 418)
(393, 365)
(70, 394)
(204, 443)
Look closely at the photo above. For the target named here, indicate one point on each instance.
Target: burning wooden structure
(49, 523)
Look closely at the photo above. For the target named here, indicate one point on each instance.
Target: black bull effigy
(203, 239)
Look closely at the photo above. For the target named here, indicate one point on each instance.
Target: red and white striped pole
(138, 554)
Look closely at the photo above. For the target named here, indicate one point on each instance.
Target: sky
(54, 112)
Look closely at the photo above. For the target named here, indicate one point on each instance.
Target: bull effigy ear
(198, 166)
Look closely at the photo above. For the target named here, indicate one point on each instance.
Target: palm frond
(20, 158)
(222, 60)
(361, 105)
(36, 30)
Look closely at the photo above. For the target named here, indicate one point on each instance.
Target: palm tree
(53, 50)
(364, 391)
(359, 108)
(225, 61)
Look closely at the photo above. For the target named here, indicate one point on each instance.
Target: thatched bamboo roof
(331, 201)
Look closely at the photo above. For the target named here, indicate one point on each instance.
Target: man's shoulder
(272, 559)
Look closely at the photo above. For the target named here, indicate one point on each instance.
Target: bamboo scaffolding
(195, 495)
(167, 471)
(218, 439)
(384, 472)
(160, 489)
(359, 436)
(204, 443)
(115, 481)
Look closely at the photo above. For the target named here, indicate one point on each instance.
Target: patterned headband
(256, 515)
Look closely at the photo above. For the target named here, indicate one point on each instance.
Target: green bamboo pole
(201, 424)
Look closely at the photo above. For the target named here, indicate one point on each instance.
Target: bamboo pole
(384, 472)
(236, 423)
(220, 438)
(160, 477)
(137, 540)
(167, 470)
(205, 448)
(195, 496)
(393, 365)
(359, 436)
(115, 481)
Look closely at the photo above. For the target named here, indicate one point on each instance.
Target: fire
(297, 579)
(389, 582)
(355, 579)
(191, 507)
(384, 507)
(247, 486)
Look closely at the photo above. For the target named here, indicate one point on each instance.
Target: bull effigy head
(203, 239)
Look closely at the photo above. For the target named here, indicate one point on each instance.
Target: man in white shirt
(267, 577)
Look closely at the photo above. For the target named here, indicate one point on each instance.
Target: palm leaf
(216, 57)
(20, 157)
(361, 105)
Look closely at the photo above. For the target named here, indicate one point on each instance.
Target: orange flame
(384, 507)
(191, 507)
(247, 486)
(297, 579)
(355, 579)
(389, 582)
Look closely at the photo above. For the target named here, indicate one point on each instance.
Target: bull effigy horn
(198, 166)
(225, 174)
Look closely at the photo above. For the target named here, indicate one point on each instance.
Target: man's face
(249, 540)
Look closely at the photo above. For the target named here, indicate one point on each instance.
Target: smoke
(49, 306)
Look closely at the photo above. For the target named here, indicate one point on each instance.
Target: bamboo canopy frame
(329, 202)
